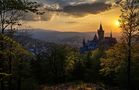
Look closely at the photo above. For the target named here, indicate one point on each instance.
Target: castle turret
(100, 33)
(95, 38)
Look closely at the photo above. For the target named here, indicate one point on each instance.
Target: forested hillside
(27, 63)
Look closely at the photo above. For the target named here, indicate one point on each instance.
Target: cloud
(33, 17)
(62, 3)
(77, 8)
(86, 8)
(81, 9)
(71, 22)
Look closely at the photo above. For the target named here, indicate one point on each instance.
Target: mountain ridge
(73, 38)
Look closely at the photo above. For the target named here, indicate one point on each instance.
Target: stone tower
(100, 33)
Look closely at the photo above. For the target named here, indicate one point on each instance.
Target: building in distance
(99, 41)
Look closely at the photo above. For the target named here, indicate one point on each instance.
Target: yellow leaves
(105, 71)
(8, 40)
(11, 47)
(71, 58)
(114, 59)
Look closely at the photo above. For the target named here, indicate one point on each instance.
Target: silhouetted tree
(12, 10)
(10, 14)
(129, 20)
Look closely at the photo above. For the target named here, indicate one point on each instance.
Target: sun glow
(117, 23)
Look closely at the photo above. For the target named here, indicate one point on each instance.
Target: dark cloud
(83, 8)
(87, 8)
(77, 8)
(33, 17)
(60, 2)
(63, 2)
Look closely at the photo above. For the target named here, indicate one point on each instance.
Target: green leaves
(9, 45)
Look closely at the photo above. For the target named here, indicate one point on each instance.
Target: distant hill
(71, 38)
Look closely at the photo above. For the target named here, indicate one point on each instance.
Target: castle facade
(98, 41)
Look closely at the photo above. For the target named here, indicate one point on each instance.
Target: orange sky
(87, 23)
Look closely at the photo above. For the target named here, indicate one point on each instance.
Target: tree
(10, 49)
(88, 66)
(55, 65)
(12, 10)
(130, 27)
(113, 64)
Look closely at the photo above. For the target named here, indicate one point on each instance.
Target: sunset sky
(74, 17)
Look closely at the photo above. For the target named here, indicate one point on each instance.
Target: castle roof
(95, 38)
(95, 43)
(109, 40)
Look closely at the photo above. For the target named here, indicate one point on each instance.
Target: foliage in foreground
(62, 64)
(114, 66)
(13, 62)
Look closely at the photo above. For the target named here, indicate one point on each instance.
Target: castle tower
(100, 33)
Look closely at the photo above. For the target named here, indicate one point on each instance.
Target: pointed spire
(95, 37)
(100, 28)
(100, 32)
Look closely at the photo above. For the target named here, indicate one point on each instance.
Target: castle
(98, 41)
